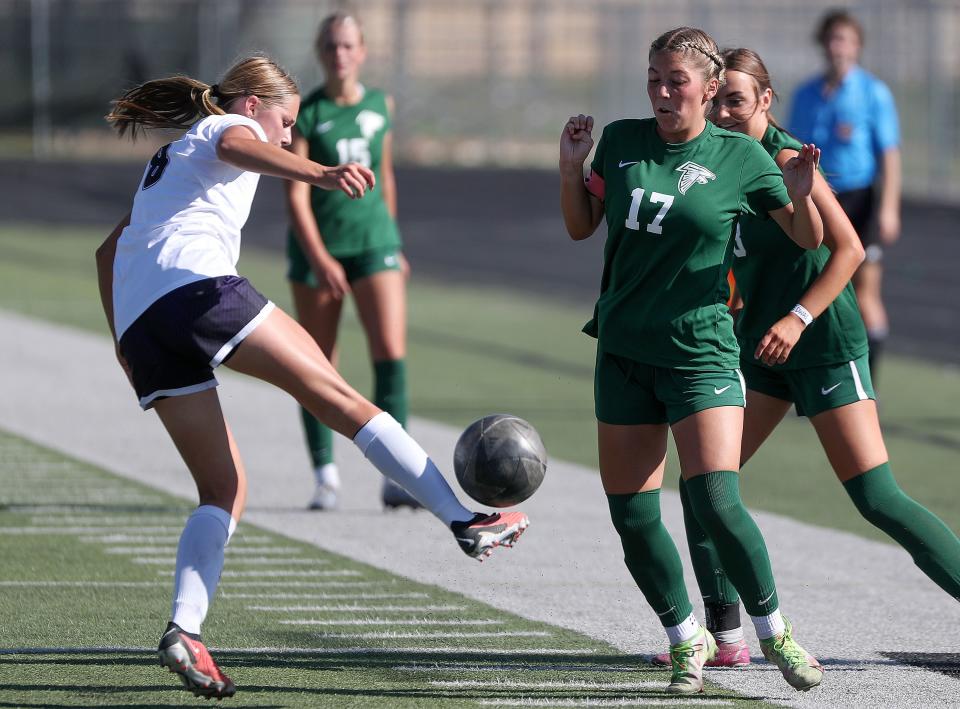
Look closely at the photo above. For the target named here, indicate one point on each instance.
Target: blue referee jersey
(853, 126)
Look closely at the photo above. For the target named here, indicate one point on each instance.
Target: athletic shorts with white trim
(629, 393)
(176, 343)
(813, 389)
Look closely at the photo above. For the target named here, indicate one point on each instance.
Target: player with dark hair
(337, 245)
(178, 309)
(802, 342)
(672, 189)
(852, 116)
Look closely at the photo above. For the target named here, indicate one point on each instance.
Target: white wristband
(802, 313)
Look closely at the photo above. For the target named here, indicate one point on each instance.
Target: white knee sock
(199, 563)
(395, 454)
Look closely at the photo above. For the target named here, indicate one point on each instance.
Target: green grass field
(85, 556)
(474, 351)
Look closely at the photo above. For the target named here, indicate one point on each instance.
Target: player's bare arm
(800, 220)
(104, 256)
(239, 147)
(582, 211)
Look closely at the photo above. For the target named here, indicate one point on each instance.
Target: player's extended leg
(632, 460)
(854, 445)
(319, 313)
(382, 305)
(867, 282)
(196, 425)
(281, 352)
(708, 444)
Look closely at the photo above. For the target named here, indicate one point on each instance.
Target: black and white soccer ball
(500, 460)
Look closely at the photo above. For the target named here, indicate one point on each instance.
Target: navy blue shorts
(176, 343)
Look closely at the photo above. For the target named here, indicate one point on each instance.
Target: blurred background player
(800, 304)
(338, 246)
(672, 189)
(850, 114)
(178, 309)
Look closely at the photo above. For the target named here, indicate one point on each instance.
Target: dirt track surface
(503, 227)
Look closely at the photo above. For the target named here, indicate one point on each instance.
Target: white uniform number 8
(656, 198)
(354, 150)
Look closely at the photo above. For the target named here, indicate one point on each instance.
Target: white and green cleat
(799, 668)
(687, 659)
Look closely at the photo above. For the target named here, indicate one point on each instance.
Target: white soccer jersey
(186, 219)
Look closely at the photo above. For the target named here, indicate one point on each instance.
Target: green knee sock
(934, 548)
(651, 555)
(319, 439)
(715, 501)
(390, 388)
(715, 586)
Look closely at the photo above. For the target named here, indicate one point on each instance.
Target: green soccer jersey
(773, 273)
(336, 135)
(671, 211)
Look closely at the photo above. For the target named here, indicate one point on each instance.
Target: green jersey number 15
(354, 150)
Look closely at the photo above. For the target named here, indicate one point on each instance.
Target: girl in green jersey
(338, 246)
(672, 189)
(803, 341)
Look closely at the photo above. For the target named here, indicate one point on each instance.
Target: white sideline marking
(460, 650)
(348, 607)
(298, 584)
(280, 572)
(624, 702)
(159, 539)
(230, 550)
(85, 584)
(510, 684)
(435, 636)
(76, 531)
(324, 596)
(443, 666)
(106, 518)
(252, 561)
(388, 621)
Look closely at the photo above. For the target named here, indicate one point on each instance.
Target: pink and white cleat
(728, 655)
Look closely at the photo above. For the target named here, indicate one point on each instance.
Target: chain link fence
(477, 82)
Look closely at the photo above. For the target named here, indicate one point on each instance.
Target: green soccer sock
(319, 439)
(651, 555)
(934, 548)
(715, 586)
(715, 501)
(390, 388)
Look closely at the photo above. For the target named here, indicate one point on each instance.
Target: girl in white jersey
(178, 309)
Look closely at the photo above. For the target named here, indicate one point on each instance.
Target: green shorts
(813, 389)
(628, 393)
(356, 267)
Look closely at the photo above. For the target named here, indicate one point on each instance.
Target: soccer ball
(499, 460)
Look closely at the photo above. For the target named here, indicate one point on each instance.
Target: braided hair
(689, 40)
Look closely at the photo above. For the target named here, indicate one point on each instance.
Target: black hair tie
(215, 90)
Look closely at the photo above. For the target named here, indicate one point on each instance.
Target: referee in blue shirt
(850, 114)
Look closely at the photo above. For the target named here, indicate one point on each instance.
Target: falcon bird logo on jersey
(370, 122)
(692, 174)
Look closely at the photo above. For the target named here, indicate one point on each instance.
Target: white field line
(460, 667)
(298, 584)
(342, 607)
(110, 519)
(252, 561)
(77, 531)
(109, 538)
(83, 584)
(271, 573)
(324, 596)
(624, 702)
(299, 652)
(434, 636)
(457, 622)
(230, 550)
(510, 684)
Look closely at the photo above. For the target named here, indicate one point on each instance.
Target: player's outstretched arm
(582, 211)
(802, 222)
(239, 147)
